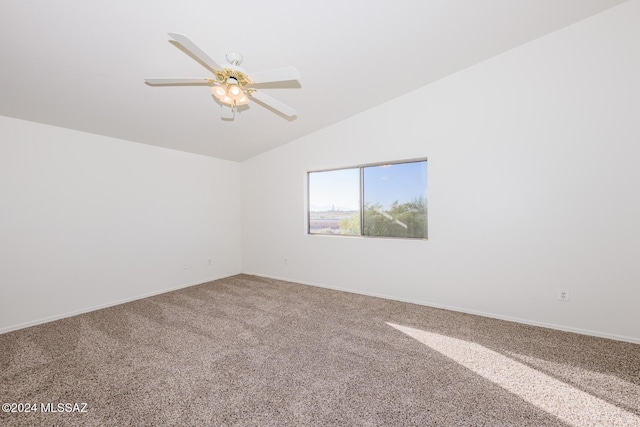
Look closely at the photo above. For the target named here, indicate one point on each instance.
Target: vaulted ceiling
(81, 64)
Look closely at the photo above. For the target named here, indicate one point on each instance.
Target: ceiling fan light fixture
(243, 100)
(235, 92)
(219, 91)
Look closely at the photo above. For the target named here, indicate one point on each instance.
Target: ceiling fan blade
(273, 103)
(197, 52)
(277, 75)
(179, 81)
(227, 112)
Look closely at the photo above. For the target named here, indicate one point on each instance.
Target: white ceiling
(80, 64)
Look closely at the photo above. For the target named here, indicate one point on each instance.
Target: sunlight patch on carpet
(615, 390)
(558, 398)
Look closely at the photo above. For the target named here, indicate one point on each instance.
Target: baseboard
(101, 306)
(462, 310)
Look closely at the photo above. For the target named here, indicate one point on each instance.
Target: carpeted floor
(252, 351)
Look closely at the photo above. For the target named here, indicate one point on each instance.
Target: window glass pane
(395, 200)
(334, 202)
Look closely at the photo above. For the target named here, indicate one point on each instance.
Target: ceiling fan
(232, 85)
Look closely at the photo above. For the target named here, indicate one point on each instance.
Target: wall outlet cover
(563, 295)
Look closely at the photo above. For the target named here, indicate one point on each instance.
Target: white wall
(534, 185)
(88, 221)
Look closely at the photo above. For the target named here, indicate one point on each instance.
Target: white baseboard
(101, 306)
(373, 294)
(462, 310)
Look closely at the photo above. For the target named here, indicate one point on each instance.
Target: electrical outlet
(286, 260)
(563, 295)
(185, 266)
(209, 261)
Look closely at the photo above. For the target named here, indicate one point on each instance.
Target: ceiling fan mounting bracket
(234, 58)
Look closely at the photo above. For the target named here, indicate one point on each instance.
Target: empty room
(407, 213)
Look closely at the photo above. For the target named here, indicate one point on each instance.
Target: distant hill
(316, 208)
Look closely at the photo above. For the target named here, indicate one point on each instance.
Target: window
(381, 200)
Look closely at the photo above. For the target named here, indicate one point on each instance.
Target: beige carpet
(252, 351)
